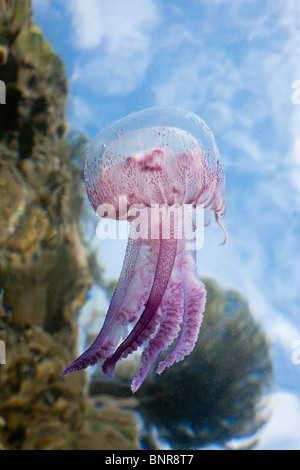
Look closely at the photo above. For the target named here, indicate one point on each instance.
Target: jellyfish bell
(151, 164)
(161, 155)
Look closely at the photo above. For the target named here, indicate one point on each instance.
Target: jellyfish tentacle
(171, 312)
(166, 259)
(147, 332)
(172, 306)
(194, 304)
(222, 229)
(117, 318)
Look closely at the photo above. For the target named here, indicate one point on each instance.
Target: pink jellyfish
(146, 168)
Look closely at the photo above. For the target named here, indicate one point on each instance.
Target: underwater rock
(40, 411)
(44, 266)
(43, 262)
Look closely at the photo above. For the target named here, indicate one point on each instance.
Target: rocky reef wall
(44, 268)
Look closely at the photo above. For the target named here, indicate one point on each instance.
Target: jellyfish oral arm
(194, 304)
(114, 324)
(144, 278)
(166, 259)
(182, 305)
(159, 289)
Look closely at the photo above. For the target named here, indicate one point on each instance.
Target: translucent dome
(158, 156)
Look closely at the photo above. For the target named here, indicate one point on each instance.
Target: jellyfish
(147, 168)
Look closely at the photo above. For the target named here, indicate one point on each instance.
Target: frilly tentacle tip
(72, 368)
(135, 386)
(108, 368)
(161, 368)
(67, 371)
